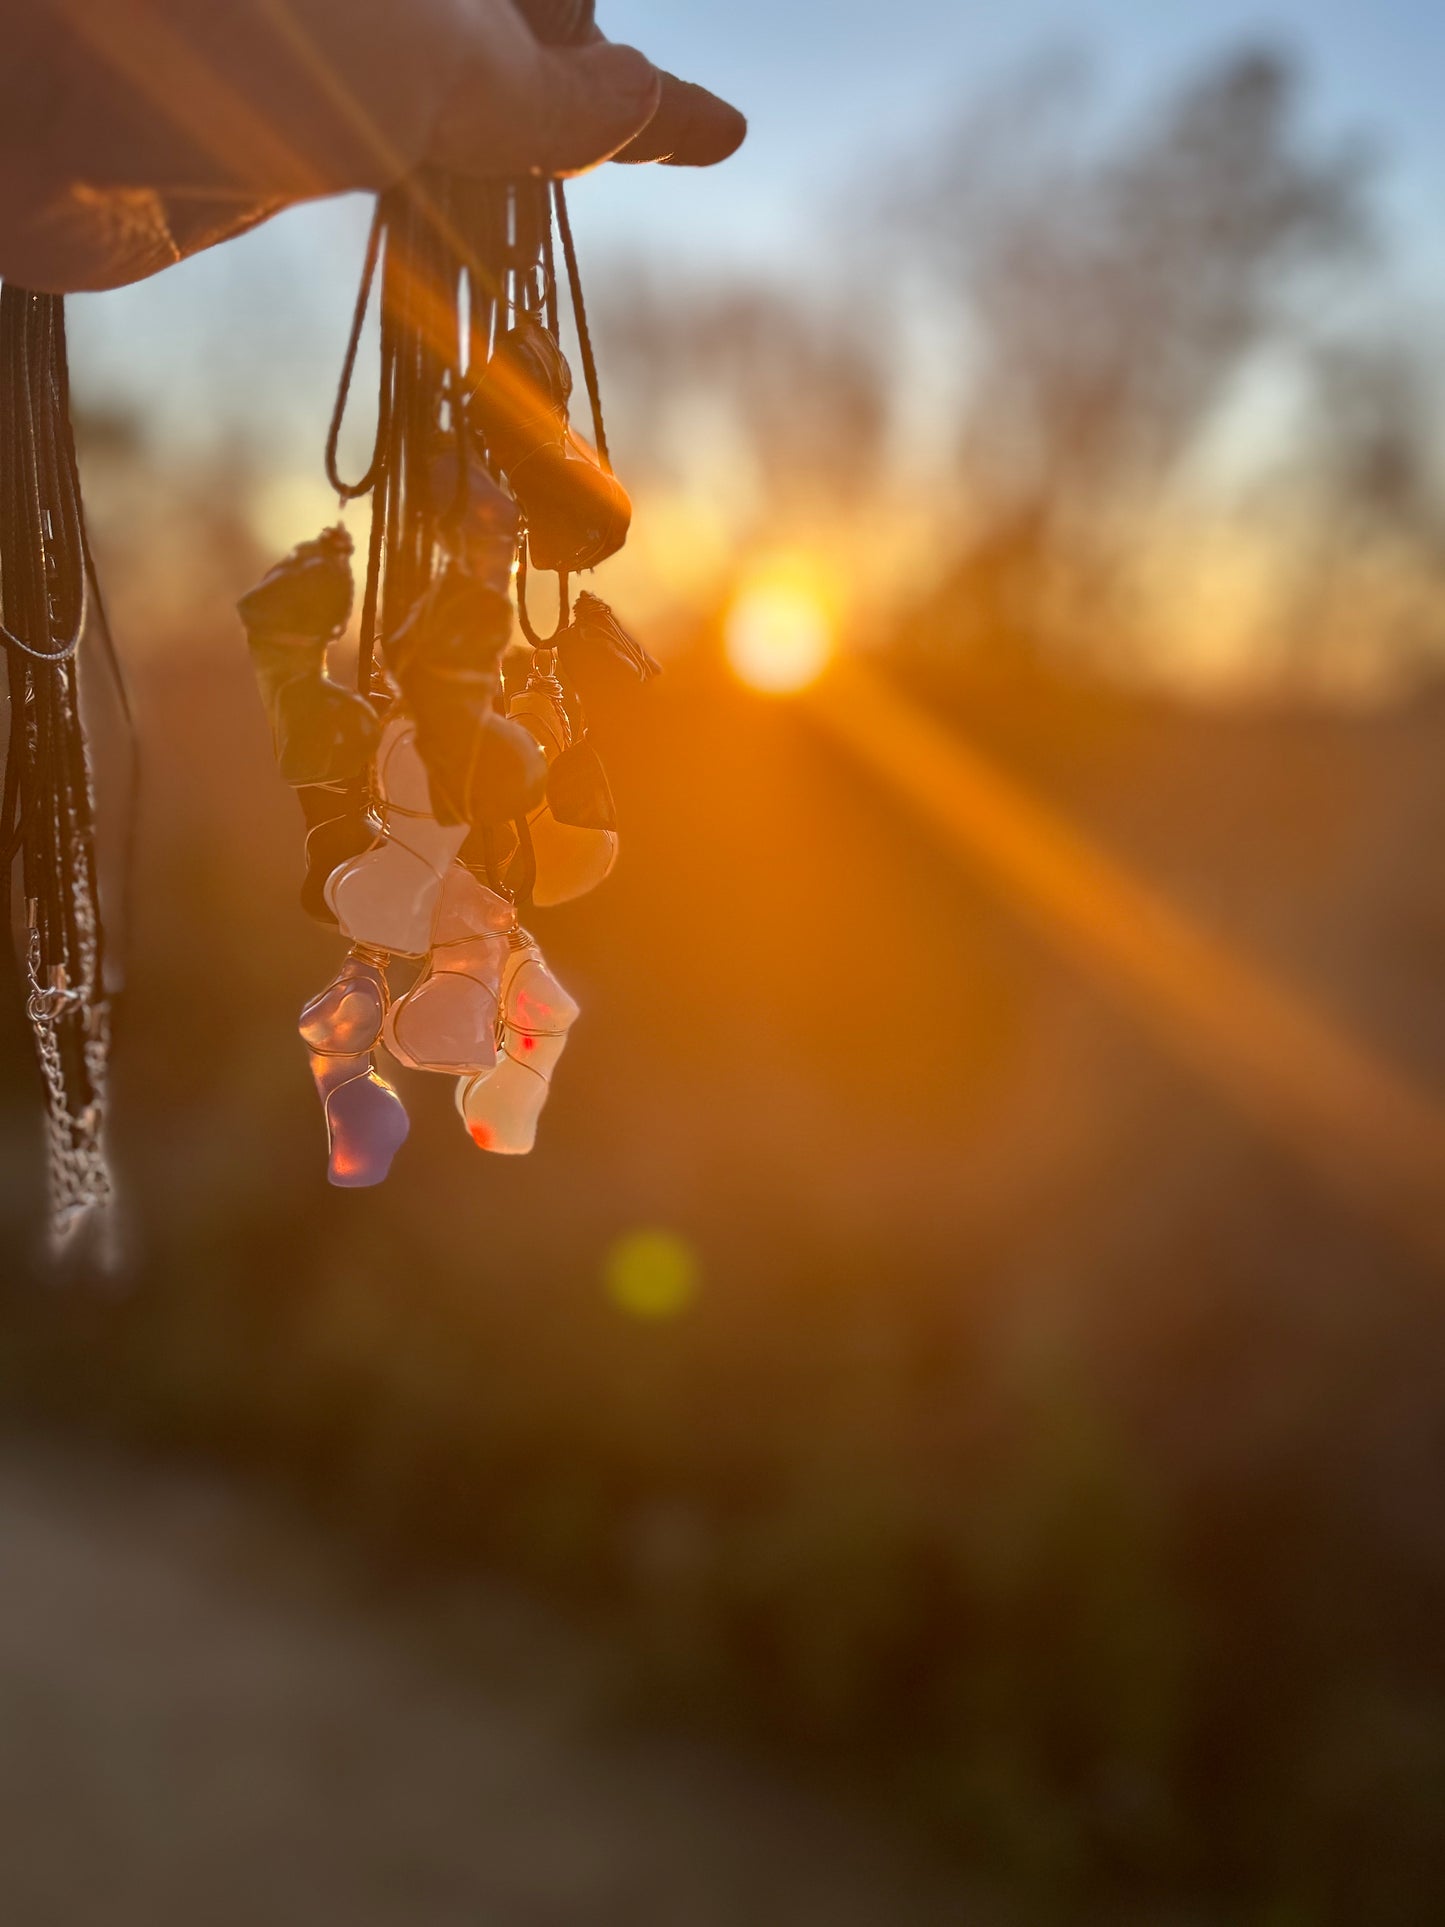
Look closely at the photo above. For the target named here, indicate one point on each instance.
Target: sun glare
(780, 633)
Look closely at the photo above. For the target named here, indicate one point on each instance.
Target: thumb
(552, 111)
(598, 99)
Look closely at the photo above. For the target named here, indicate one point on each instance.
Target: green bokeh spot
(653, 1275)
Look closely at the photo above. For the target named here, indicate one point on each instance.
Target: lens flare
(780, 633)
(653, 1275)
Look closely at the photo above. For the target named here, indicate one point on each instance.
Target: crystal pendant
(366, 1121)
(574, 830)
(502, 1108)
(577, 513)
(446, 658)
(448, 1021)
(321, 733)
(387, 899)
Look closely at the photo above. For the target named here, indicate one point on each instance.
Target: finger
(691, 128)
(548, 111)
(599, 99)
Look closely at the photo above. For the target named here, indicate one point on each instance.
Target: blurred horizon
(229, 363)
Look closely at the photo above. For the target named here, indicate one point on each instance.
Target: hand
(134, 133)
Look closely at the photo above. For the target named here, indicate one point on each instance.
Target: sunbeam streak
(1363, 1126)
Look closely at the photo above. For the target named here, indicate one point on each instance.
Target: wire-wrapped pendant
(322, 733)
(437, 811)
(503, 1108)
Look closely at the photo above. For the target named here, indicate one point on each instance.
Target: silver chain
(80, 1186)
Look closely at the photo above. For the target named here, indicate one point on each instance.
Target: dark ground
(203, 1719)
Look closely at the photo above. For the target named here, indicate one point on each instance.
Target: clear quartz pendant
(448, 1021)
(387, 899)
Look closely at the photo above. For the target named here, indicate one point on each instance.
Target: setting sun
(780, 633)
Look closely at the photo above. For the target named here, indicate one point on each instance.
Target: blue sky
(830, 84)
(254, 334)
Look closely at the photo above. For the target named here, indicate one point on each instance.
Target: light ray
(185, 90)
(1372, 1133)
(223, 124)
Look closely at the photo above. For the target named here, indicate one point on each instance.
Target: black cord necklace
(47, 816)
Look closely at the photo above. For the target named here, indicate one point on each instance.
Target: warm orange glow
(1362, 1124)
(781, 634)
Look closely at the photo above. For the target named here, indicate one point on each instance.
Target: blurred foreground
(200, 1720)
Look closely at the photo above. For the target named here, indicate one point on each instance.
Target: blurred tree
(788, 399)
(1367, 601)
(1060, 313)
(1113, 294)
(1375, 400)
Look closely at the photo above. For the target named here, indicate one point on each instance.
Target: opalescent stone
(366, 1122)
(346, 1019)
(502, 1108)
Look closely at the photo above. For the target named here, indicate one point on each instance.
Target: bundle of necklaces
(445, 802)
